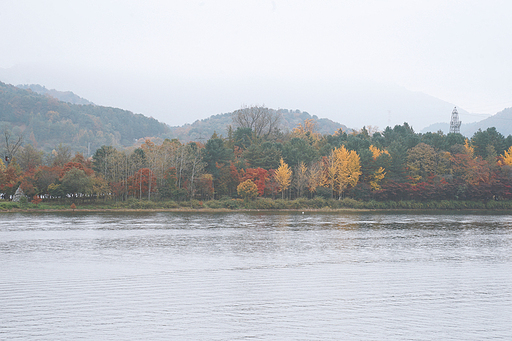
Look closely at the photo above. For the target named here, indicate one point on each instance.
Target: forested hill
(202, 130)
(64, 96)
(46, 122)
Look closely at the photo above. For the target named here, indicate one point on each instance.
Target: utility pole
(455, 122)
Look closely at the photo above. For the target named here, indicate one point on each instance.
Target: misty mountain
(63, 96)
(177, 101)
(202, 130)
(46, 122)
(502, 121)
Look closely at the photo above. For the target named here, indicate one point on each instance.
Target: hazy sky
(181, 60)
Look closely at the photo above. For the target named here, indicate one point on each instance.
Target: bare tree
(11, 145)
(261, 120)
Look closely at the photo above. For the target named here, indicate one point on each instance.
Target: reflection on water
(282, 276)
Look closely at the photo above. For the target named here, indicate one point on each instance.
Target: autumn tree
(349, 169)
(300, 180)
(421, 161)
(307, 131)
(99, 187)
(373, 170)
(342, 170)
(506, 157)
(314, 176)
(283, 176)
(247, 190)
(376, 178)
(139, 183)
(376, 152)
(257, 175)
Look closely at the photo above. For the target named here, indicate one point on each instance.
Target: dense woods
(257, 160)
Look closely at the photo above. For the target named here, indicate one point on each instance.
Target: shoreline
(246, 210)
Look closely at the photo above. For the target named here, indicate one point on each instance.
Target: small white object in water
(302, 212)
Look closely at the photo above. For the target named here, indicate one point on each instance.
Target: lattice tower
(455, 122)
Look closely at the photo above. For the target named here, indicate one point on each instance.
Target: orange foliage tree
(142, 183)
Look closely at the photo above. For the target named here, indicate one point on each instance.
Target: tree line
(256, 159)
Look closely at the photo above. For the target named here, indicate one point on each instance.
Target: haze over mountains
(183, 101)
(83, 125)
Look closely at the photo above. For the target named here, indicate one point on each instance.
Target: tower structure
(455, 122)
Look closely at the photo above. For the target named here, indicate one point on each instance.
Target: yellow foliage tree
(314, 176)
(421, 161)
(283, 176)
(301, 178)
(376, 152)
(343, 169)
(307, 130)
(507, 157)
(469, 150)
(247, 190)
(99, 187)
(377, 178)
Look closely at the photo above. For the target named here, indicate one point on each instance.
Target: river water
(255, 276)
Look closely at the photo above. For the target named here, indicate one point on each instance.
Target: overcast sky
(181, 60)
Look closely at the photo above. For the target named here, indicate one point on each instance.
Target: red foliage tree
(36, 199)
(70, 165)
(142, 183)
(259, 176)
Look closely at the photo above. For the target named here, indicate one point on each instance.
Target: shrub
(280, 204)
(351, 203)
(234, 204)
(317, 202)
(261, 204)
(170, 204)
(215, 204)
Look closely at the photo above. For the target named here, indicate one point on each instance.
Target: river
(255, 276)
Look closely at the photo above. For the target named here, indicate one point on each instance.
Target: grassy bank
(263, 204)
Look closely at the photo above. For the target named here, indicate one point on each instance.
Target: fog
(356, 62)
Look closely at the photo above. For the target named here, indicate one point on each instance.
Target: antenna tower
(455, 122)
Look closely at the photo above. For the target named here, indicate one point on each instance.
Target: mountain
(202, 130)
(46, 122)
(502, 121)
(174, 100)
(63, 96)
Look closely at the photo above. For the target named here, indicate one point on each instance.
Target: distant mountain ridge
(46, 122)
(202, 130)
(63, 96)
(502, 121)
(48, 118)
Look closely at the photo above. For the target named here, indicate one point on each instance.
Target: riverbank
(261, 204)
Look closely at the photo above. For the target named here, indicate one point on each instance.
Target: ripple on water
(255, 276)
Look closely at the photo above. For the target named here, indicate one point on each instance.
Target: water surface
(257, 276)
